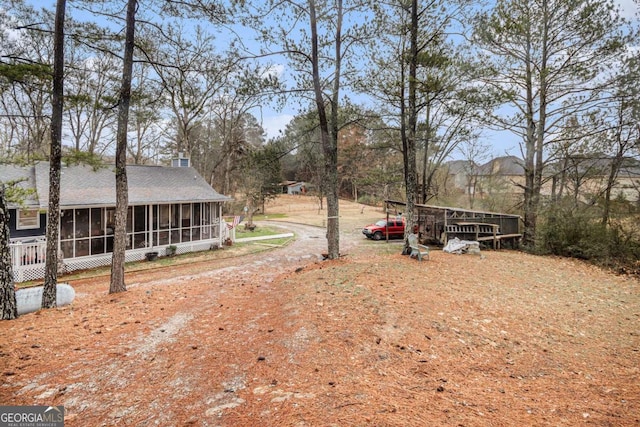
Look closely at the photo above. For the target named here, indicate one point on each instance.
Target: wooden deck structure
(438, 224)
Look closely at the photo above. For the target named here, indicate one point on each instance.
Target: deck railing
(28, 253)
(28, 257)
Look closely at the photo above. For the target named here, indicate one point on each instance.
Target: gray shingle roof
(506, 165)
(83, 186)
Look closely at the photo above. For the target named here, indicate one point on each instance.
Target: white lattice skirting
(35, 271)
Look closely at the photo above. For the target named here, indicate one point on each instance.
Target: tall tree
(302, 137)
(328, 127)
(149, 131)
(450, 103)
(117, 283)
(409, 122)
(55, 160)
(549, 60)
(91, 87)
(236, 129)
(321, 41)
(623, 137)
(8, 307)
(352, 158)
(191, 74)
(263, 183)
(474, 153)
(25, 78)
(419, 83)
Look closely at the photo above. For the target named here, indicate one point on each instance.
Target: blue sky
(501, 143)
(275, 121)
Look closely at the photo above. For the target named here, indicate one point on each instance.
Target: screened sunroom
(89, 231)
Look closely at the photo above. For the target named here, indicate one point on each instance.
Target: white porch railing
(28, 258)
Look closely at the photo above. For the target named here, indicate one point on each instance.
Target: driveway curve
(308, 245)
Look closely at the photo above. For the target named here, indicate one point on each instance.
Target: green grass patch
(259, 231)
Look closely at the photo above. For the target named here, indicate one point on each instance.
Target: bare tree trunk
(331, 151)
(563, 177)
(8, 307)
(409, 141)
(250, 209)
(536, 133)
(425, 159)
(530, 207)
(122, 196)
(472, 183)
(227, 175)
(328, 136)
(55, 160)
(616, 163)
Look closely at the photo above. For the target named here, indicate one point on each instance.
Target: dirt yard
(278, 337)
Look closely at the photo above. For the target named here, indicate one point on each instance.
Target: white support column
(220, 242)
(150, 242)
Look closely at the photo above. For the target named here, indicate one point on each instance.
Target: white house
(168, 206)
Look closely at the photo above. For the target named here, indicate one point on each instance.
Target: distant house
(294, 187)
(505, 176)
(586, 177)
(502, 175)
(168, 206)
(460, 173)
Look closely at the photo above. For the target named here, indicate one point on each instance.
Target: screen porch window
(89, 231)
(184, 222)
(83, 233)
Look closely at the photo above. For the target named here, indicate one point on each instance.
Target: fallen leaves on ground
(372, 339)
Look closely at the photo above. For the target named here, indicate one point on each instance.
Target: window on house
(206, 213)
(186, 222)
(140, 227)
(197, 220)
(162, 213)
(97, 231)
(129, 219)
(175, 215)
(164, 217)
(27, 219)
(66, 225)
(175, 223)
(82, 223)
(140, 218)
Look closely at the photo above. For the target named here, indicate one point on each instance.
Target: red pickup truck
(394, 228)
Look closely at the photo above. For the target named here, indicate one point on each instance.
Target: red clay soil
(282, 338)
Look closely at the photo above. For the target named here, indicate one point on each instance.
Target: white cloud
(274, 125)
(275, 70)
